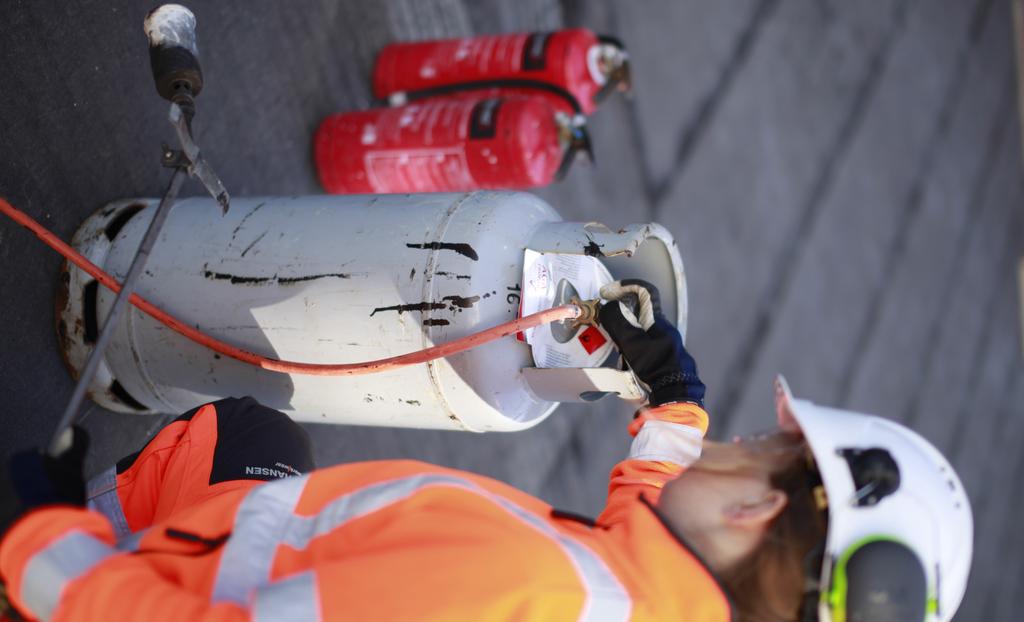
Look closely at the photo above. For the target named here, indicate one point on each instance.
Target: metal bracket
(582, 384)
(173, 158)
(195, 164)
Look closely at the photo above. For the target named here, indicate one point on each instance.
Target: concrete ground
(843, 178)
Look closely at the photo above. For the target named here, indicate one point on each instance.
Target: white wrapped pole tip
(173, 51)
(171, 25)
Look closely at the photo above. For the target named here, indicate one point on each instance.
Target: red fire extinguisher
(575, 68)
(446, 144)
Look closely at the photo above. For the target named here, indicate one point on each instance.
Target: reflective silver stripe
(295, 599)
(50, 570)
(668, 442)
(303, 529)
(101, 492)
(259, 526)
(249, 553)
(606, 599)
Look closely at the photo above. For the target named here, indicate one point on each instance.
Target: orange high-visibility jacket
(389, 540)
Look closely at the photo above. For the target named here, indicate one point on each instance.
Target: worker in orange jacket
(221, 517)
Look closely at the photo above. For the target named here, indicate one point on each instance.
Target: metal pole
(120, 303)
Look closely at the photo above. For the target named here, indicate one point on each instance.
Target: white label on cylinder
(550, 280)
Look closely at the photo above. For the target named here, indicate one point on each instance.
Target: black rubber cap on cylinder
(175, 69)
(885, 583)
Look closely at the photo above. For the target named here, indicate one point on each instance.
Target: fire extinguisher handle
(401, 98)
(173, 53)
(619, 77)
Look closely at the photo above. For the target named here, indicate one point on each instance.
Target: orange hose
(564, 312)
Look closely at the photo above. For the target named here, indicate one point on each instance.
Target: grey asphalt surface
(844, 180)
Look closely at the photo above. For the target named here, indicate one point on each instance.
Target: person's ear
(757, 512)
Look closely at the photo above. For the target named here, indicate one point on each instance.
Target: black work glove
(650, 344)
(40, 479)
(36, 479)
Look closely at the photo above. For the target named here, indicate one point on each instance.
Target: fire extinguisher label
(535, 52)
(417, 170)
(483, 121)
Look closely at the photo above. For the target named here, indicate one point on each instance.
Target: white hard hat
(900, 531)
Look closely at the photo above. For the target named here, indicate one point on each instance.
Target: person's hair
(768, 585)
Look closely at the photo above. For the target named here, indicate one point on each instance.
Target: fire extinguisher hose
(565, 312)
(503, 83)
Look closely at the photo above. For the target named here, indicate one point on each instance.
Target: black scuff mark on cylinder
(412, 274)
(313, 277)
(459, 277)
(238, 280)
(241, 223)
(416, 306)
(454, 304)
(254, 243)
(461, 302)
(411, 402)
(460, 248)
(262, 280)
(593, 249)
